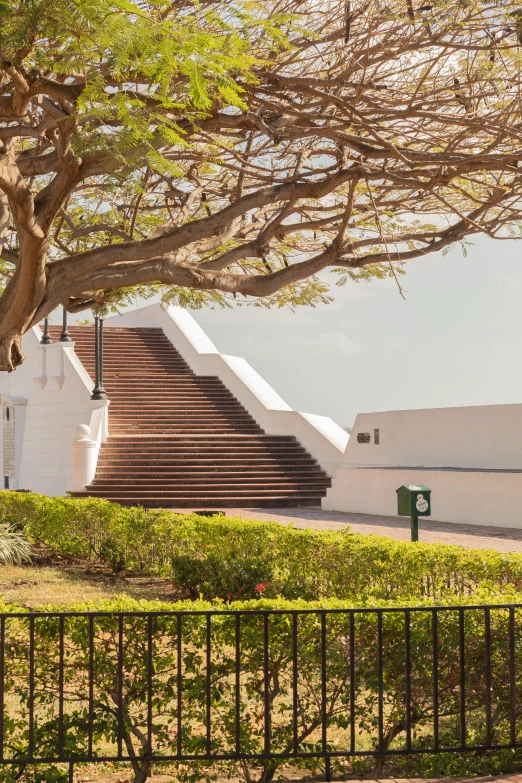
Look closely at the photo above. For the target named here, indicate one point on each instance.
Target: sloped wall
(321, 436)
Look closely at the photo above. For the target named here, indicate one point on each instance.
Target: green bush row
(234, 558)
(342, 649)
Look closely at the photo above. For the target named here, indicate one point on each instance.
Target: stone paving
(502, 539)
(510, 778)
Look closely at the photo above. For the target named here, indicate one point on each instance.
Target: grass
(51, 579)
(104, 775)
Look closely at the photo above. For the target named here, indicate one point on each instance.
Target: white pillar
(84, 458)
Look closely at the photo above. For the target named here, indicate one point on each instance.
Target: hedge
(277, 688)
(231, 558)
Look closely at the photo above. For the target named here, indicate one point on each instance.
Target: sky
(455, 340)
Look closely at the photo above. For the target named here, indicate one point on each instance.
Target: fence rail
(258, 686)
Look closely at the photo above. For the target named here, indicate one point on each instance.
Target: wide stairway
(180, 440)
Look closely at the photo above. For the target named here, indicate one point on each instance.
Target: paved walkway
(511, 778)
(502, 539)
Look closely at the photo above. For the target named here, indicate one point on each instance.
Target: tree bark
(22, 295)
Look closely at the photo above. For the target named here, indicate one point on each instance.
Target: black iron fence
(260, 687)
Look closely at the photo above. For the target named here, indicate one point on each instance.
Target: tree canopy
(214, 149)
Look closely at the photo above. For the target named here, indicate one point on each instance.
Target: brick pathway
(124, 778)
(511, 778)
(474, 536)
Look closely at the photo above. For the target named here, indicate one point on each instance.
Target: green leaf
(198, 90)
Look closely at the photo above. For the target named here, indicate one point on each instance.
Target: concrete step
(155, 369)
(211, 466)
(213, 492)
(183, 429)
(189, 474)
(203, 453)
(199, 452)
(208, 504)
(198, 446)
(184, 381)
(194, 443)
(185, 444)
(151, 386)
(238, 485)
(181, 414)
(181, 395)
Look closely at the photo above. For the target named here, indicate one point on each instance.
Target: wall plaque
(363, 437)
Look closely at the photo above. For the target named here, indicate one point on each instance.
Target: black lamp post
(98, 393)
(46, 337)
(65, 337)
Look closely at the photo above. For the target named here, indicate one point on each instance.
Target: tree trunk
(141, 771)
(20, 300)
(11, 355)
(378, 767)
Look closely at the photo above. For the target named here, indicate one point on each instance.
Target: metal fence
(258, 686)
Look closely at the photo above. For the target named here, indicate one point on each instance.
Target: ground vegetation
(230, 559)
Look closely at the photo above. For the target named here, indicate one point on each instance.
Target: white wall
(57, 389)
(466, 497)
(485, 436)
(321, 436)
(468, 457)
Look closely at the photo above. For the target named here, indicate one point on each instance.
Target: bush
(234, 557)
(213, 576)
(14, 547)
(263, 680)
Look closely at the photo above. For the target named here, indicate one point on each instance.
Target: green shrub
(231, 557)
(14, 547)
(277, 688)
(214, 576)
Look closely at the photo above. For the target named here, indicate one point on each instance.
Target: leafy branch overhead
(214, 149)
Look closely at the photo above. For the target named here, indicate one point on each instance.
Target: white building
(242, 445)
(183, 417)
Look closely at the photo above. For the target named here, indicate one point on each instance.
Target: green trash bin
(414, 501)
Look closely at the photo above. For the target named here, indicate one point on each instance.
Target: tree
(212, 149)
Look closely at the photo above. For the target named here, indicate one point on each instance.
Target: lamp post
(65, 337)
(98, 393)
(46, 337)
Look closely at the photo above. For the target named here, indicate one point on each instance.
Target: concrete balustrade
(85, 458)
